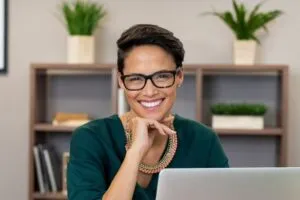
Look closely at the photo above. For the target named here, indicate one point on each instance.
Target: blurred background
(36, 34)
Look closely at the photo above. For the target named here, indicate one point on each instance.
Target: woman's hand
(144, 131)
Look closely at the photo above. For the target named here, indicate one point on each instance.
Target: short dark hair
(143, 34)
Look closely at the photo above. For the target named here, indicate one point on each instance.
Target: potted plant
(81, 18)
(245, 24)
(238, 116)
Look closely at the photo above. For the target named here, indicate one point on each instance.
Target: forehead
(147, 59)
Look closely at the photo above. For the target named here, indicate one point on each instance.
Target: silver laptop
(229, 184)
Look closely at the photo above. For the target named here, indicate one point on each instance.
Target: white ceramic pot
(244, 52)
(237, 122)
(81, 49)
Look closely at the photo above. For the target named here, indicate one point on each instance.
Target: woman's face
(150, 101)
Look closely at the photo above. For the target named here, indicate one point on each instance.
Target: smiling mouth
(151, 104)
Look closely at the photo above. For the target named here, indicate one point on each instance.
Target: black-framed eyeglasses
(160, 79)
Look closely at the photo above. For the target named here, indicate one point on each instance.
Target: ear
(120, 82)
(180, 77)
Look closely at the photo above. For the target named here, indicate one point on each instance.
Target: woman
(120, 157)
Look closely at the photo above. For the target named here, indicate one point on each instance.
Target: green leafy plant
(238, 109)
(82, 17)
(245, 23)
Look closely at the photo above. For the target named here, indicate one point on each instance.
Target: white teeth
(151, 104)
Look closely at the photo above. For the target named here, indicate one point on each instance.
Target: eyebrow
(135, 74)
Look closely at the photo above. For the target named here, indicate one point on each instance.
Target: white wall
(35, 35)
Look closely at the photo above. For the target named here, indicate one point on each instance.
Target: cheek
(170, 93)
(131, 95)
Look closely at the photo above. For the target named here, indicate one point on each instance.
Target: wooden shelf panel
(187, 67)
(50, 196)
(66, 66)
(65, 69)
(263, 132)
(240, 73)
(51, 128)
(190, 69)
(236, 68)
(247, 132)
(81, 72)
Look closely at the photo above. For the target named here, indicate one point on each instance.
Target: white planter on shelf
(237, 122)
(81, 49)
(244, 52)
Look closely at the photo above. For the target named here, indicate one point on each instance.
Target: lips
(151, 104)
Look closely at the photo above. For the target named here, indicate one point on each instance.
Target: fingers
(153, 124)
(162, 129)
(168, 130)
(156, 125)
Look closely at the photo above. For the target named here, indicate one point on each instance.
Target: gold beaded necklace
(166, 158)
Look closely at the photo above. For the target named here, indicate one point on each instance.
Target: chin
(154, 109)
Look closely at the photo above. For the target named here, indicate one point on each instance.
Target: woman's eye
(135, 78)
(164, 75)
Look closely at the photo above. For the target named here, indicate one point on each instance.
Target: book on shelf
(50, 170)
(65, 160)
(47, 168)
(39, 169)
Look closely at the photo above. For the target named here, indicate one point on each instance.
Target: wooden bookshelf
(41, 75)
(278, 71)
(41, 127)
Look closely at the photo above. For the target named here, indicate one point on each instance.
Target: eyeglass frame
(146, 77)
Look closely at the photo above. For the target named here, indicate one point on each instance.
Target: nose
(149, 89)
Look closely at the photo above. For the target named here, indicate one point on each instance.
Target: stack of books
(70, 119)
(48, 170)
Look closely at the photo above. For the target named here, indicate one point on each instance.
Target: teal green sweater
(97, 150)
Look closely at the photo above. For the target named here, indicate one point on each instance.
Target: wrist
(135, 155)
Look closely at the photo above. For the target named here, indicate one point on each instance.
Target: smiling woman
(120, 157)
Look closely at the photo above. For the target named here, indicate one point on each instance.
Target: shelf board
(58, 195)
(65, 69)
(238, 68)
(51, 128)
(248, 132)
(88, 72)
(240, 73)
(66, 66)
(264, 132)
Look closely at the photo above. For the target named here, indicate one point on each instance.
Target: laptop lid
(229, 184)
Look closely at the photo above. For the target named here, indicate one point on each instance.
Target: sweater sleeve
(217, 157)
(85, 172)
